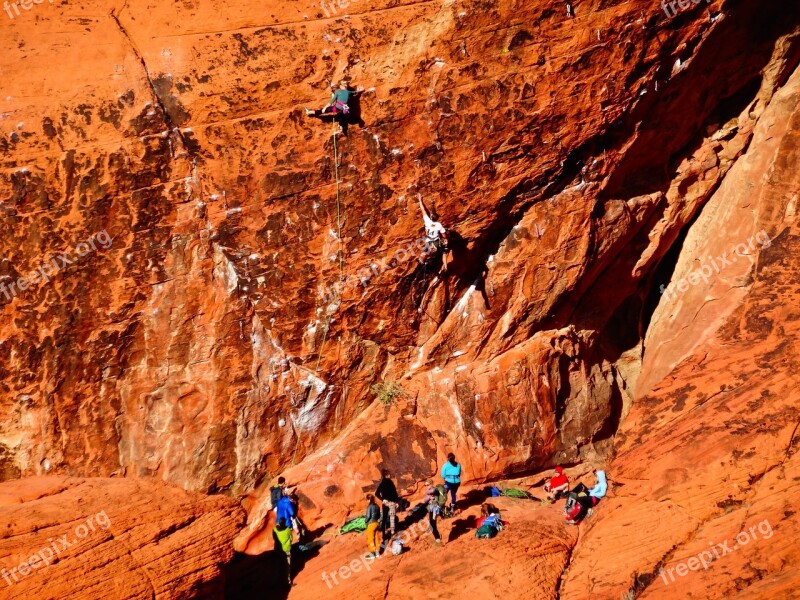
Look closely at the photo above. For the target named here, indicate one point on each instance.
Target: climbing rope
(338, 209)
(339, 234)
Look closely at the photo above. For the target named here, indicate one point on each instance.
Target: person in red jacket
(557, 486)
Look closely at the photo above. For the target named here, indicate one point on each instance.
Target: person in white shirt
(435, 234)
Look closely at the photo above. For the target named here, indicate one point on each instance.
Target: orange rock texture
(226, 290)
(65, 537)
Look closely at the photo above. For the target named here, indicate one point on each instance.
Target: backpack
(441, 496)
(486, 531)
(572, 500)
(275, 494)
(396, 547)
(492, 491)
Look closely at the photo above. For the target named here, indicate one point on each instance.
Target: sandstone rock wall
(207, 345)
(66, 537)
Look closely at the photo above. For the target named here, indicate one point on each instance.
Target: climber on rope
(338, 106)
(435, 236)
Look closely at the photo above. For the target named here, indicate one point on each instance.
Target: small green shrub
(387, 391)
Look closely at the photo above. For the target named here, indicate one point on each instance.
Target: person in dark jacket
(373, 521)
(387, 494)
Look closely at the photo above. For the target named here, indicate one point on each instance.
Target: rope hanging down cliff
(339, 235)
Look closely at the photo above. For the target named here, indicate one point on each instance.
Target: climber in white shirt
(435, 234)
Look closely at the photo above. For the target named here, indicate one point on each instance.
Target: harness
(341, 107)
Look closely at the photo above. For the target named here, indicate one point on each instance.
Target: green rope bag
(358, 525)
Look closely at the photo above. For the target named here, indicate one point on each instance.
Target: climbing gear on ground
(515, 493)
(358, 524)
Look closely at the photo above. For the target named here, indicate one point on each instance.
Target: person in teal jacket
(451, 473)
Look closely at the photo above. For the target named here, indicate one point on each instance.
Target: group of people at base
(580, 502)
(434, 501)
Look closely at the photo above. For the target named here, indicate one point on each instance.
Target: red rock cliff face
(208, 345)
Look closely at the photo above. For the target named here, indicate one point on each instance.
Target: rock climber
(557, 486)
(451, 473)
(282, 534)
(433, 502)
(339, 104)
(373, 521)
(435, 235)
(387, 494)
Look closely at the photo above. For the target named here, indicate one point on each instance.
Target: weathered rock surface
(709, 453)
(204, 346)
(112, 538)
(579, 162)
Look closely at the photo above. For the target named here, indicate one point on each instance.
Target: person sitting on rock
(387, 494)
(339, 105)
(557, 486)
(600, 488)
(490, 523)
(581, 500)
(282, 534)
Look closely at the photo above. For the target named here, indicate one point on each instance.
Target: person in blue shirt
(451, 473)
(285, 510)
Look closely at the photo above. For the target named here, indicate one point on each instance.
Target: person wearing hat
(557, 486)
